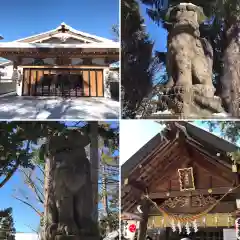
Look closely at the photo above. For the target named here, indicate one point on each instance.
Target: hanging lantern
(238, 203)
(237, 225)
(132, 228)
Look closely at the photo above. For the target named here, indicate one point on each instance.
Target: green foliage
(137, 63)
(18, 141)
(235, 156)
(7, 230)
(230, 131)
(112, 219)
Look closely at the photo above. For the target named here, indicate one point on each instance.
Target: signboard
(186, 179)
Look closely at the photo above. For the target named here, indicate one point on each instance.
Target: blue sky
(22, 214)
(24, 18)
(157, 33)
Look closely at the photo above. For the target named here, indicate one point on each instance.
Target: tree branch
(39, 195)
(10, 174)
(28, 204)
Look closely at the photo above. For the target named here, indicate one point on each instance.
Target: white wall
(8, 72)
(20, 83)
(106, 86)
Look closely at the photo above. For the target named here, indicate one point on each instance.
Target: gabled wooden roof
(64, 28)
(153, 169)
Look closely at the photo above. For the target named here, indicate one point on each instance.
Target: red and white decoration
(237, 225)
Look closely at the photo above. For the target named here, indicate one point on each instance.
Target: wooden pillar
(143, 223)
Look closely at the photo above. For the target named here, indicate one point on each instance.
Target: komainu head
(186, 16)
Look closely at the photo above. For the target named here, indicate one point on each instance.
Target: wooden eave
(161, 157)
(14, 52)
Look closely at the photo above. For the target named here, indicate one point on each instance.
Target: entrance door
(63, 82)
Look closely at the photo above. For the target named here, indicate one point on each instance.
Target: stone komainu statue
(189, 57)
(189, 91)
(70, 199)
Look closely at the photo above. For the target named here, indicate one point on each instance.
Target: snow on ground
(16, 107)
(26, 236)
(222, 114)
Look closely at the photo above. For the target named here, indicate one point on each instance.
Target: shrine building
(183, 184)
(62, 61)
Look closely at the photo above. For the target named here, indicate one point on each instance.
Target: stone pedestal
(191, 102)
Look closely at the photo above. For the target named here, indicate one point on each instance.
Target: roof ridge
(70, 29)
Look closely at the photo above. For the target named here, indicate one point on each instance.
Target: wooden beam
(141, 167)
(167, 171)
(140, 185)
(53, 67)
(217, 170)
(130, 200)
(225, 163)
(162, 163)
(217, 191)
(222, 207)
(49, 55)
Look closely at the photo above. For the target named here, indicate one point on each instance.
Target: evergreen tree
(137, 62)
(7, 230)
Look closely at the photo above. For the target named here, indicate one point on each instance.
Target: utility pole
(94, 159)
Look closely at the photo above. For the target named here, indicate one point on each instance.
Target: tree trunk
(48, 183)
(94, 159)
(231, 76)
(105, 198)
(46, 194)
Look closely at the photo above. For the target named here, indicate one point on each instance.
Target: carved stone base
(196, 101)
(59, 237)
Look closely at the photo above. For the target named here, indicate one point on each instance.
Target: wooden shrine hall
(184, 184)
(62, 61)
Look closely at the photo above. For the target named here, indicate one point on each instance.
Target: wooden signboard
(186, 179)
